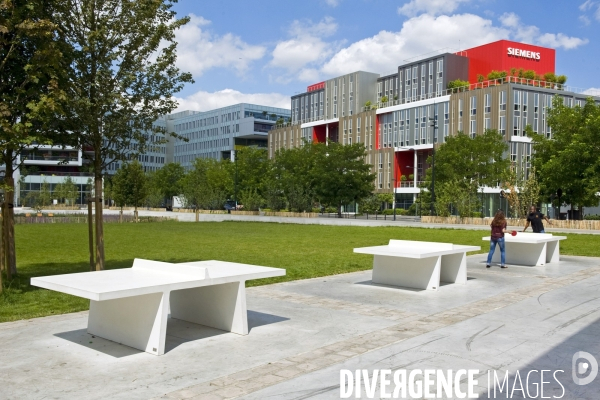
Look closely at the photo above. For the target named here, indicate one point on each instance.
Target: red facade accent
(377, 132)
(495, 57)
(403, 165)
(316, 86)
(319, 132)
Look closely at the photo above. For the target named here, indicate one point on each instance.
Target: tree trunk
(1, 249)
(99, 223)
(91, 236)
(135, 214)
(197, 214)
(2, 256)
(339, 211)
(9, 220)
(121, 216)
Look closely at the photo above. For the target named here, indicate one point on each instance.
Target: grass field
(305, 251)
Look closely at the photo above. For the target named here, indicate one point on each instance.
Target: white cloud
(306, 50)
(531, 34)
(585, 20)
(432, 7)
(199, 50)
(587, 5)
(386, 50)
(333, 3)
(205, 101)
(592, 91)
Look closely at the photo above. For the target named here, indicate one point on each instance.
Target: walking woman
(498, 231)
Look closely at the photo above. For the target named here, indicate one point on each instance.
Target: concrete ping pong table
(530, 249)
(420, 265)
(131, 305)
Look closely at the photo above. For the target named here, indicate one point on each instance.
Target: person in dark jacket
(535, 219)
(497, 238)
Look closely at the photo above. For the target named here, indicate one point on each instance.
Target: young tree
(466, 164)
(168, 181)
(122, 78)
(155, 197)
(570, 160)
(193, 185)
(342, 176)
(45, 194)
(30, 77)
(292, 175)
(130, 187)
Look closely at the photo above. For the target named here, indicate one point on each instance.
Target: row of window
(414, 126)
(207, 144)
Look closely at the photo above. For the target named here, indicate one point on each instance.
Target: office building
(394, 114)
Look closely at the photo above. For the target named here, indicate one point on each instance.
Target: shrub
(592, 217)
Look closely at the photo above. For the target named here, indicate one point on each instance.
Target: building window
(488, 103)
(502, 100)
(440, 68)
(473, 129)
(473, 105)
(516, 126)
(488, 124)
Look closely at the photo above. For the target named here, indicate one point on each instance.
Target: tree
(570, 160)
(252, 166)
(130, 186)
(122, 77)
(45, 194)
(251, 199)
(370, 204)
(293, 176)
(469, 164)
(155, 197)
(208, 185)
(342, 176)
(193, 185)
(168, 181)
(30, 77)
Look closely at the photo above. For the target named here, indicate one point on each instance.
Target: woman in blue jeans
(498, 231)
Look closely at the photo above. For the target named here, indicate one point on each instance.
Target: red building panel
(316, 86)
(319, 133)
(504, 55)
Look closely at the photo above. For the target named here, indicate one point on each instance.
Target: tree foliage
(122, 76)
(168, 180)
(570, 160)
(30, 91)
(130, 186)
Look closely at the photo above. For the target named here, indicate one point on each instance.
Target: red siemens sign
(504, 55)
(316, 86)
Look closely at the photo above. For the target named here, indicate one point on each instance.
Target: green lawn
(305, 251)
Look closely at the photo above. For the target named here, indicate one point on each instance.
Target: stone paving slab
(303, 332)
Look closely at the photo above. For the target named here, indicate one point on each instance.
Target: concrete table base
(131, 306)
(418, 265)
(530, 249)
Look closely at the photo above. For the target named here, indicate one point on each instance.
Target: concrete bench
(131, 305)
(530, 249)
(420, 265)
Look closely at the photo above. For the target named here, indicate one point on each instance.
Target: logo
(581, 368)
(532, 55)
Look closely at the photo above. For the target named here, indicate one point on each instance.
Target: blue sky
(264, 51)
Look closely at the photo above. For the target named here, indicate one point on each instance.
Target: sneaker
(488, 266)
(503, 266)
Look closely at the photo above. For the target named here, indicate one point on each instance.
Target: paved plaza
(303, 333)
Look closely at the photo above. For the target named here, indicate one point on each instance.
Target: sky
(265, 51)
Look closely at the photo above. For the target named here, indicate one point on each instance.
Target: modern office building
(212, 134)
(218, 133)
(401, 116)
